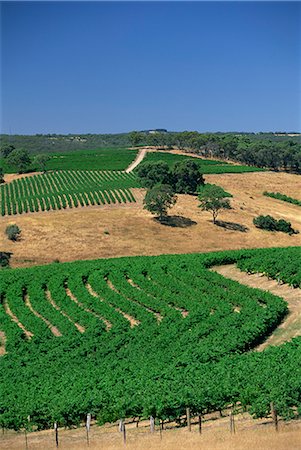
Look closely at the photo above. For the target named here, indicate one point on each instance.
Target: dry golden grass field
(249, 434)
(128, 229)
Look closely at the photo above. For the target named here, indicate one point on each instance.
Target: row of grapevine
(283, 197)
(278, 264)
(62, 189)
(141, 336)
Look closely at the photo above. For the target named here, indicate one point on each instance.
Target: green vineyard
(140, 336)
(62, 189)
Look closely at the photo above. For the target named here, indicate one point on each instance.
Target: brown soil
(128, 230)
(8, 177)
(250, 434)
(15, 319)
(53, 329)
(291, 325)
(133, 322)
(2, 343)
(80, 328)
(72, 296)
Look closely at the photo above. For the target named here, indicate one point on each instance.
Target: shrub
(265, 222)
(271, 224)
(13, 232)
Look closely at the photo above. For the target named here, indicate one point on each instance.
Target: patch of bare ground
(2, 343)
(132, 320)
(81, 233)
(8, 177)
(79, 327)
(140, 156)
(54, 330)
(291, 325)
(74, 298)
(250, 434)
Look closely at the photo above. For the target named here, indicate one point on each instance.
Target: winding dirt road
(140, 156)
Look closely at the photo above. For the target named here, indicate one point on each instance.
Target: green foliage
(280, 263)
(99, 159)
(13, 232)
(6, 149)
(271, 224)
(277, 151)
(159, 199)
(184, 176)
(1, 176)
(283, 197)
(40, 161)
(19, 159)
(187, 177)
(206, 166)
(213, 198)
(151, 174)
(135, 138)
(4, 259)
(203, 359)
(57, 190)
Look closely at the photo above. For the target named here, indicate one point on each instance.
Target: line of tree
(21, 160)
(276, 155)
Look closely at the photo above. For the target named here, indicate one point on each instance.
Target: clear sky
(106, 67)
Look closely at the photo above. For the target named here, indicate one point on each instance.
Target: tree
(187, 177)
(6, 149)
(135, 138)
(213, 198)
(159, 199)
(151, 174)
(20, 159)
(41, 160)
(13, 232)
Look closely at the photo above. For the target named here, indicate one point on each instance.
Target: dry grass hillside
(128, 229)
(249, 434)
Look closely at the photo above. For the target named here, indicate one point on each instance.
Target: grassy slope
(206, 166)
(98, 159)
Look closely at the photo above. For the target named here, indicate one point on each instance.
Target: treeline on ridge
(261, 149)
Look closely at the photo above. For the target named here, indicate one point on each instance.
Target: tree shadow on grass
(232, 226)
(176, 221)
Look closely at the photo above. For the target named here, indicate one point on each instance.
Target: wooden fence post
(124, 434)
(188, 418)
(274, 415)
(56, 431)
(88, 423)
(200, 424)
(26, 442)
(232, 423)
(152, 424)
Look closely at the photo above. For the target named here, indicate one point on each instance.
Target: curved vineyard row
(139, 336)
(62, 189)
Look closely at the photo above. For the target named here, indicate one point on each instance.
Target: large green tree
(41, 160)
(187, 177)
(6, 149)
(135, 138)
(151, 174)
(159, 199)
(19, 159)
(213, 199)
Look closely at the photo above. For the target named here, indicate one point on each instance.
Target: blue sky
(106, 67)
